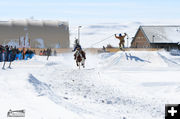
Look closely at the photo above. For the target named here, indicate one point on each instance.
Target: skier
(121, 38)
(76, 45)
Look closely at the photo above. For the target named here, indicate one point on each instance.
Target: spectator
(41, 53)
(55, 53)
(48, 53)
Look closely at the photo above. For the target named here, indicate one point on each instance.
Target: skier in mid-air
(121, 38)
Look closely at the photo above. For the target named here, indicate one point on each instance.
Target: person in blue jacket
(76, 45)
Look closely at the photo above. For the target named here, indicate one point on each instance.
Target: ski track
(93, 92)
(81, 83)
(170, 62)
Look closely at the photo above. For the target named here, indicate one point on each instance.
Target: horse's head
(79, 56)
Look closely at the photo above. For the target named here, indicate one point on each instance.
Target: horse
(80, 58)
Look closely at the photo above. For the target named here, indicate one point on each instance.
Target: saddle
(81, 54)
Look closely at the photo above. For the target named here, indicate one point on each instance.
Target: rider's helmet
(76, 41)
(120, 35)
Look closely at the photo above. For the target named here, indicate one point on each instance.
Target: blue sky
(91, 11)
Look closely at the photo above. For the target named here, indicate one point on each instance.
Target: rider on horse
(80, 56)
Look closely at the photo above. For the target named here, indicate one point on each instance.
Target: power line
(101, 40)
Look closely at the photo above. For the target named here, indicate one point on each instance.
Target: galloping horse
(80, 57)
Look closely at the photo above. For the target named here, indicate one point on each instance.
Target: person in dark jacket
(76, 45)
(1, 50)
(7, 53)
(55, 53)
(48, 53)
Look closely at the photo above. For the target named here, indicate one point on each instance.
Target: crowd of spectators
(9, 53)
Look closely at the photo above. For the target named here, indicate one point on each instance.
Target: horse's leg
(77, 63)
(83, 62)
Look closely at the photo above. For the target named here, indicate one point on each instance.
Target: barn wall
(167, 46)
(140, 41)
(51, 34)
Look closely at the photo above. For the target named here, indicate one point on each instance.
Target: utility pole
(153, 40)
(79, 32)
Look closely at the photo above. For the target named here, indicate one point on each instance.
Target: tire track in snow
(86, 84)
(43, 89)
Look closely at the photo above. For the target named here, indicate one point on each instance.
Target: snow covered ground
(122, 85)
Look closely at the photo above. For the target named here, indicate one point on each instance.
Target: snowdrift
(139, 59)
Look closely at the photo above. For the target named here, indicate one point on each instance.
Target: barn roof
(162, 34)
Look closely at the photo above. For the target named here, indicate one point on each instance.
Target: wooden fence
(92, 50)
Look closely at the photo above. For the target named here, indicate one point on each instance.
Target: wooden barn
(167, 37)
(35, 33)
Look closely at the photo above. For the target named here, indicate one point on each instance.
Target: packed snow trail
(122, 85)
